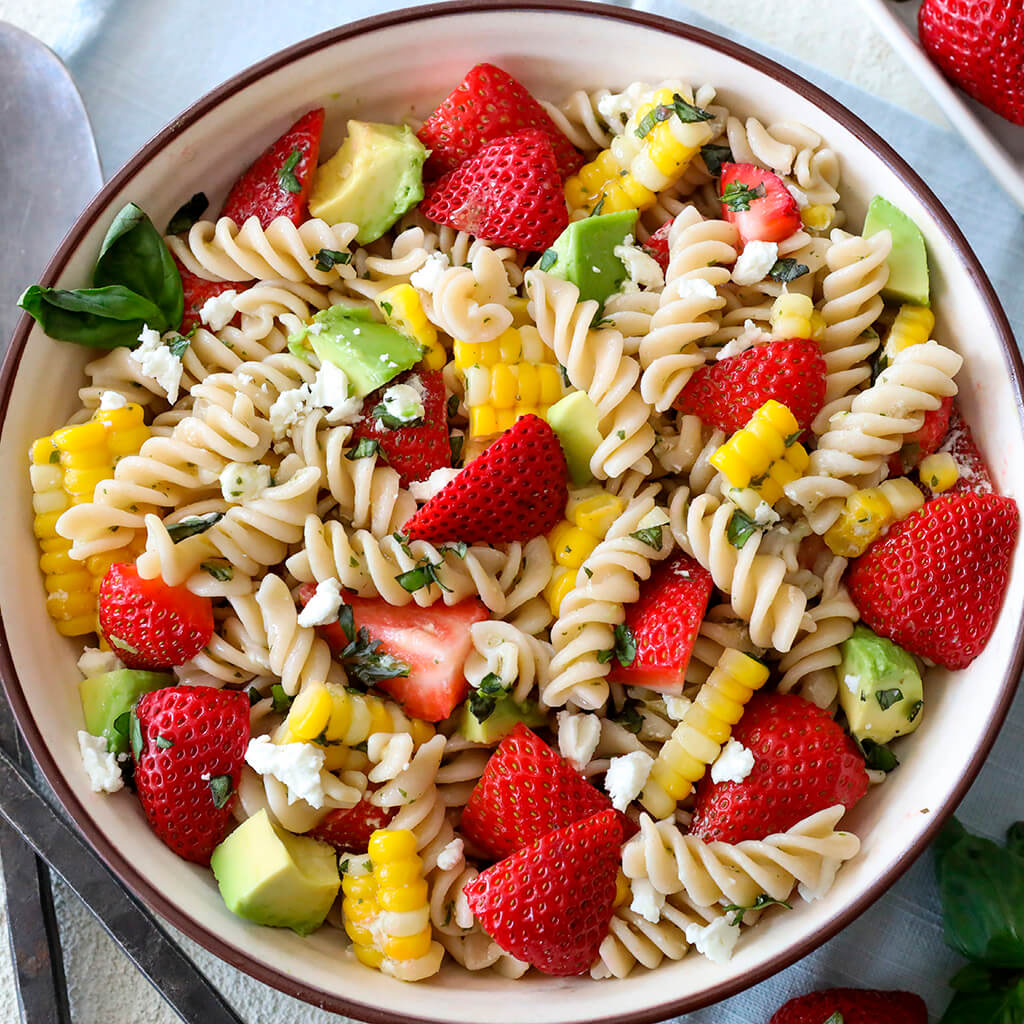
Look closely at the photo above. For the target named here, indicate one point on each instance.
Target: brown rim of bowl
(127, 872)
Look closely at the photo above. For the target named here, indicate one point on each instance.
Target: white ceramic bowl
(387, 67)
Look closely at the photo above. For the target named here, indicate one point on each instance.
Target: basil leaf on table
(1004, 1006)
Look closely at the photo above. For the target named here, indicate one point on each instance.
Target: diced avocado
(271, 877)
(574, 419)
(584, 253)
(879, 687)
(908, 261)
(108, 696)
(500, 722)
(370, 353)
(375, 176)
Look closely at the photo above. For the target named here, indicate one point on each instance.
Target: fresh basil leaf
(714, 157)
(490, 685)
(598, 209)
(738, 197)
(452, 407)
(286, 172)
(135, 734)
(886, 698)
(625, 645)
(689, 113)
(423, 574)
(178, 344)
(603, 657)
(403, 542)
(629, 718)
(221, 789)
(221, 573)
(740, 528)
(366, 447)
(190, 526)
(282, 702)
(650, 535)
(380, 412)
(459, 548)
(327, 259)
(455, 443)
(762, 901)
(1015, 838)
(122, 724)
(974, 978)
(836, 1018)
(347, 621)
(548, 260)
(787, 269)
(96, 317)
(914, 710)
(187, 214)
(878, 757)
(164, 743)
(366, 664)
(1004, 1006)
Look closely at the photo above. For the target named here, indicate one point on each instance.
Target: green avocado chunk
(879, 687)
(574, 419)
(500, 722)
(584, 253)
(370, 353)
(271, 877)
(374, 177)
(111, 694)
(908, 261)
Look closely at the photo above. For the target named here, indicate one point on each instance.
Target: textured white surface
(138, 64)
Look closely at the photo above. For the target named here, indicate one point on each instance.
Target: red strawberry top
(856, 1005)
(935, 582)
(514, 491)
(488, 104)
(758, 203)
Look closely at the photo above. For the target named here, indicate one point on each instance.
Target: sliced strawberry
(803, 763)
(278, 182)
(664, 623)
(657, 244)
(514, 491)
(550, 903)
(728, 392)
(348, 829)
(935, 582)
(149, 624)
(959, 442)
(197, 291)
(488, 104)
(189, 750)
(414, 452)
(509, 193)
(526, 791)
(853, 1006)
(758, 203)
(923, 441)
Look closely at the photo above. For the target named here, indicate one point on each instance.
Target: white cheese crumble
(111, 400)
(765, 515)
(829, 868)
(751, 335)
(403, 402)
(296, 765)
(243, 481)
(95, 662)
(428, 277)
(424, 490)
(323, 607)
(642, 269)
(451, 856)
(677, 707)
(647, 901)
(754, 262)
(159, 362)
(626, 776)
(716, 940)
(330, 391)
(219, 310)
(733, 764)
(100, 765)
(578, 736)
(287, 408)
(852, 683)
(696, 287)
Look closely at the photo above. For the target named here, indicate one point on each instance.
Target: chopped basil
(686, 112)
(364, 661)
(385, 306)
(381, 413)
(135, 734)
(327, 259)
(347, 622)
(629, 718)
(738, 197)
(423, 574)
(886, 698)
(163, 742)
(403, 542)
(787, 269)
(254, 695)
(54, 456)
(122, 724)
(221, 788)
(221, 573)
(914, 710)
(877, 756)
(485, 697)
(453, 406)
(459, 548)
(286, 172)
(714, 157)
(282, 702)
(366, 448)
(187, 214)
(565, 376)
(762, 901)
(455, 443)
(836, 1018)
(603, 657)
(741, 526)
(793, 438)
(548, 260)
(625, 645)
(650, 535)
(123, 645)
(192, 525)
(178, 345)
(599, 207)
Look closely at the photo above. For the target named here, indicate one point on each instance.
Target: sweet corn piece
(310, 712)
(595, 515)
(751, 451)
(561, 582)
(401, 305)
(570, 545)
(818, 216)
(912, 326)
(939, 471)
(903, 495)
(790, 316)
(865, 514)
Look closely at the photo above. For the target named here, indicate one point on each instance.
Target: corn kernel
(558, 587)
(939, 471)
(818, 216)
(790, 316)
(912, 326)
(391, 844)
(595, 515)
(408, 947)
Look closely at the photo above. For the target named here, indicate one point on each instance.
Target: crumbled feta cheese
(852, 683)
(829, 868)
(287, 408)
(219, 310)
(451, 856)
(716, 940)
(751, 335)
(641, 268)
(617, 106)
(323, 607)
(424, 490)
(242, 481)
(626, 776)
(578, 736)
(800, 196)
(111, 400)
(647, 901)
(100, 765)
(95, 662)
(296, 765)
(428, 277)
(330, 392)
(159, 362)
(403, 402)
(696, 287)
(754, 262)
(765, 515)
(733, 764)
(315, 327)
(677, 707)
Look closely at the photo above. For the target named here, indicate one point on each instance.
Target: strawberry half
(923, 441)
(189, 748)
(550, 903)
(515, 490)
(758, 203)
(149, 624)
(348, 829)
(803, 763)
(728, 392)
(197, 291)
(526, 791)
(853, 1006)
(509, 193)
(657, 244)
(935, 583)
(279, 180)
(664, 623)
(488, 104)
(980, 46)
(414, 452)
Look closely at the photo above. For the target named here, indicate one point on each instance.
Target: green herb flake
(164, 743)
(603, 657)
(741, 528)
(598, 208)
(886, 698)
(787, 269)
(762, 901)
(459, 548)
(914, 710)
(455, 443)
(589, 572)
(187, 214)
(685, 111)
(650, 535)
(548, 260)
(453, 406)
(836, 1018)
(364, 661)
(714, 157)
(793, 438)
(135, 734)
(286, 172)
(386, 307)
(403, 542)
(54, 457)
(423, 574)
(122, 724)
(629, 718)
(221, 573)
(385, 418)
(738, 197)
(878, 757)
(282, 702)
(123, 645)
(327, 259)
(190, 526)
(625, 645)
(221, 789)
(365, 449)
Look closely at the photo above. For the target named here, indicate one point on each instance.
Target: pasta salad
(521, 536)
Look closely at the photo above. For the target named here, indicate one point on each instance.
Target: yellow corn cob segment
(939, 471)
(699, 737)
(867, 513)
(912, 326)
(401, 305)
(791, 315)
(818, 216)
(65, 469)
(764, 454)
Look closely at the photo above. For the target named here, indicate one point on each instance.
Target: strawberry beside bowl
(385, 67)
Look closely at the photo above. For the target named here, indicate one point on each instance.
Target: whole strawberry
(935, 583)
(853, 1006)
(980, 46)
(149, 624)
(514, 491)
(189, 746)
(803, 763)
(550, 903)
(509, 193)
(525, 792)
(728, 392)
(488, 104)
